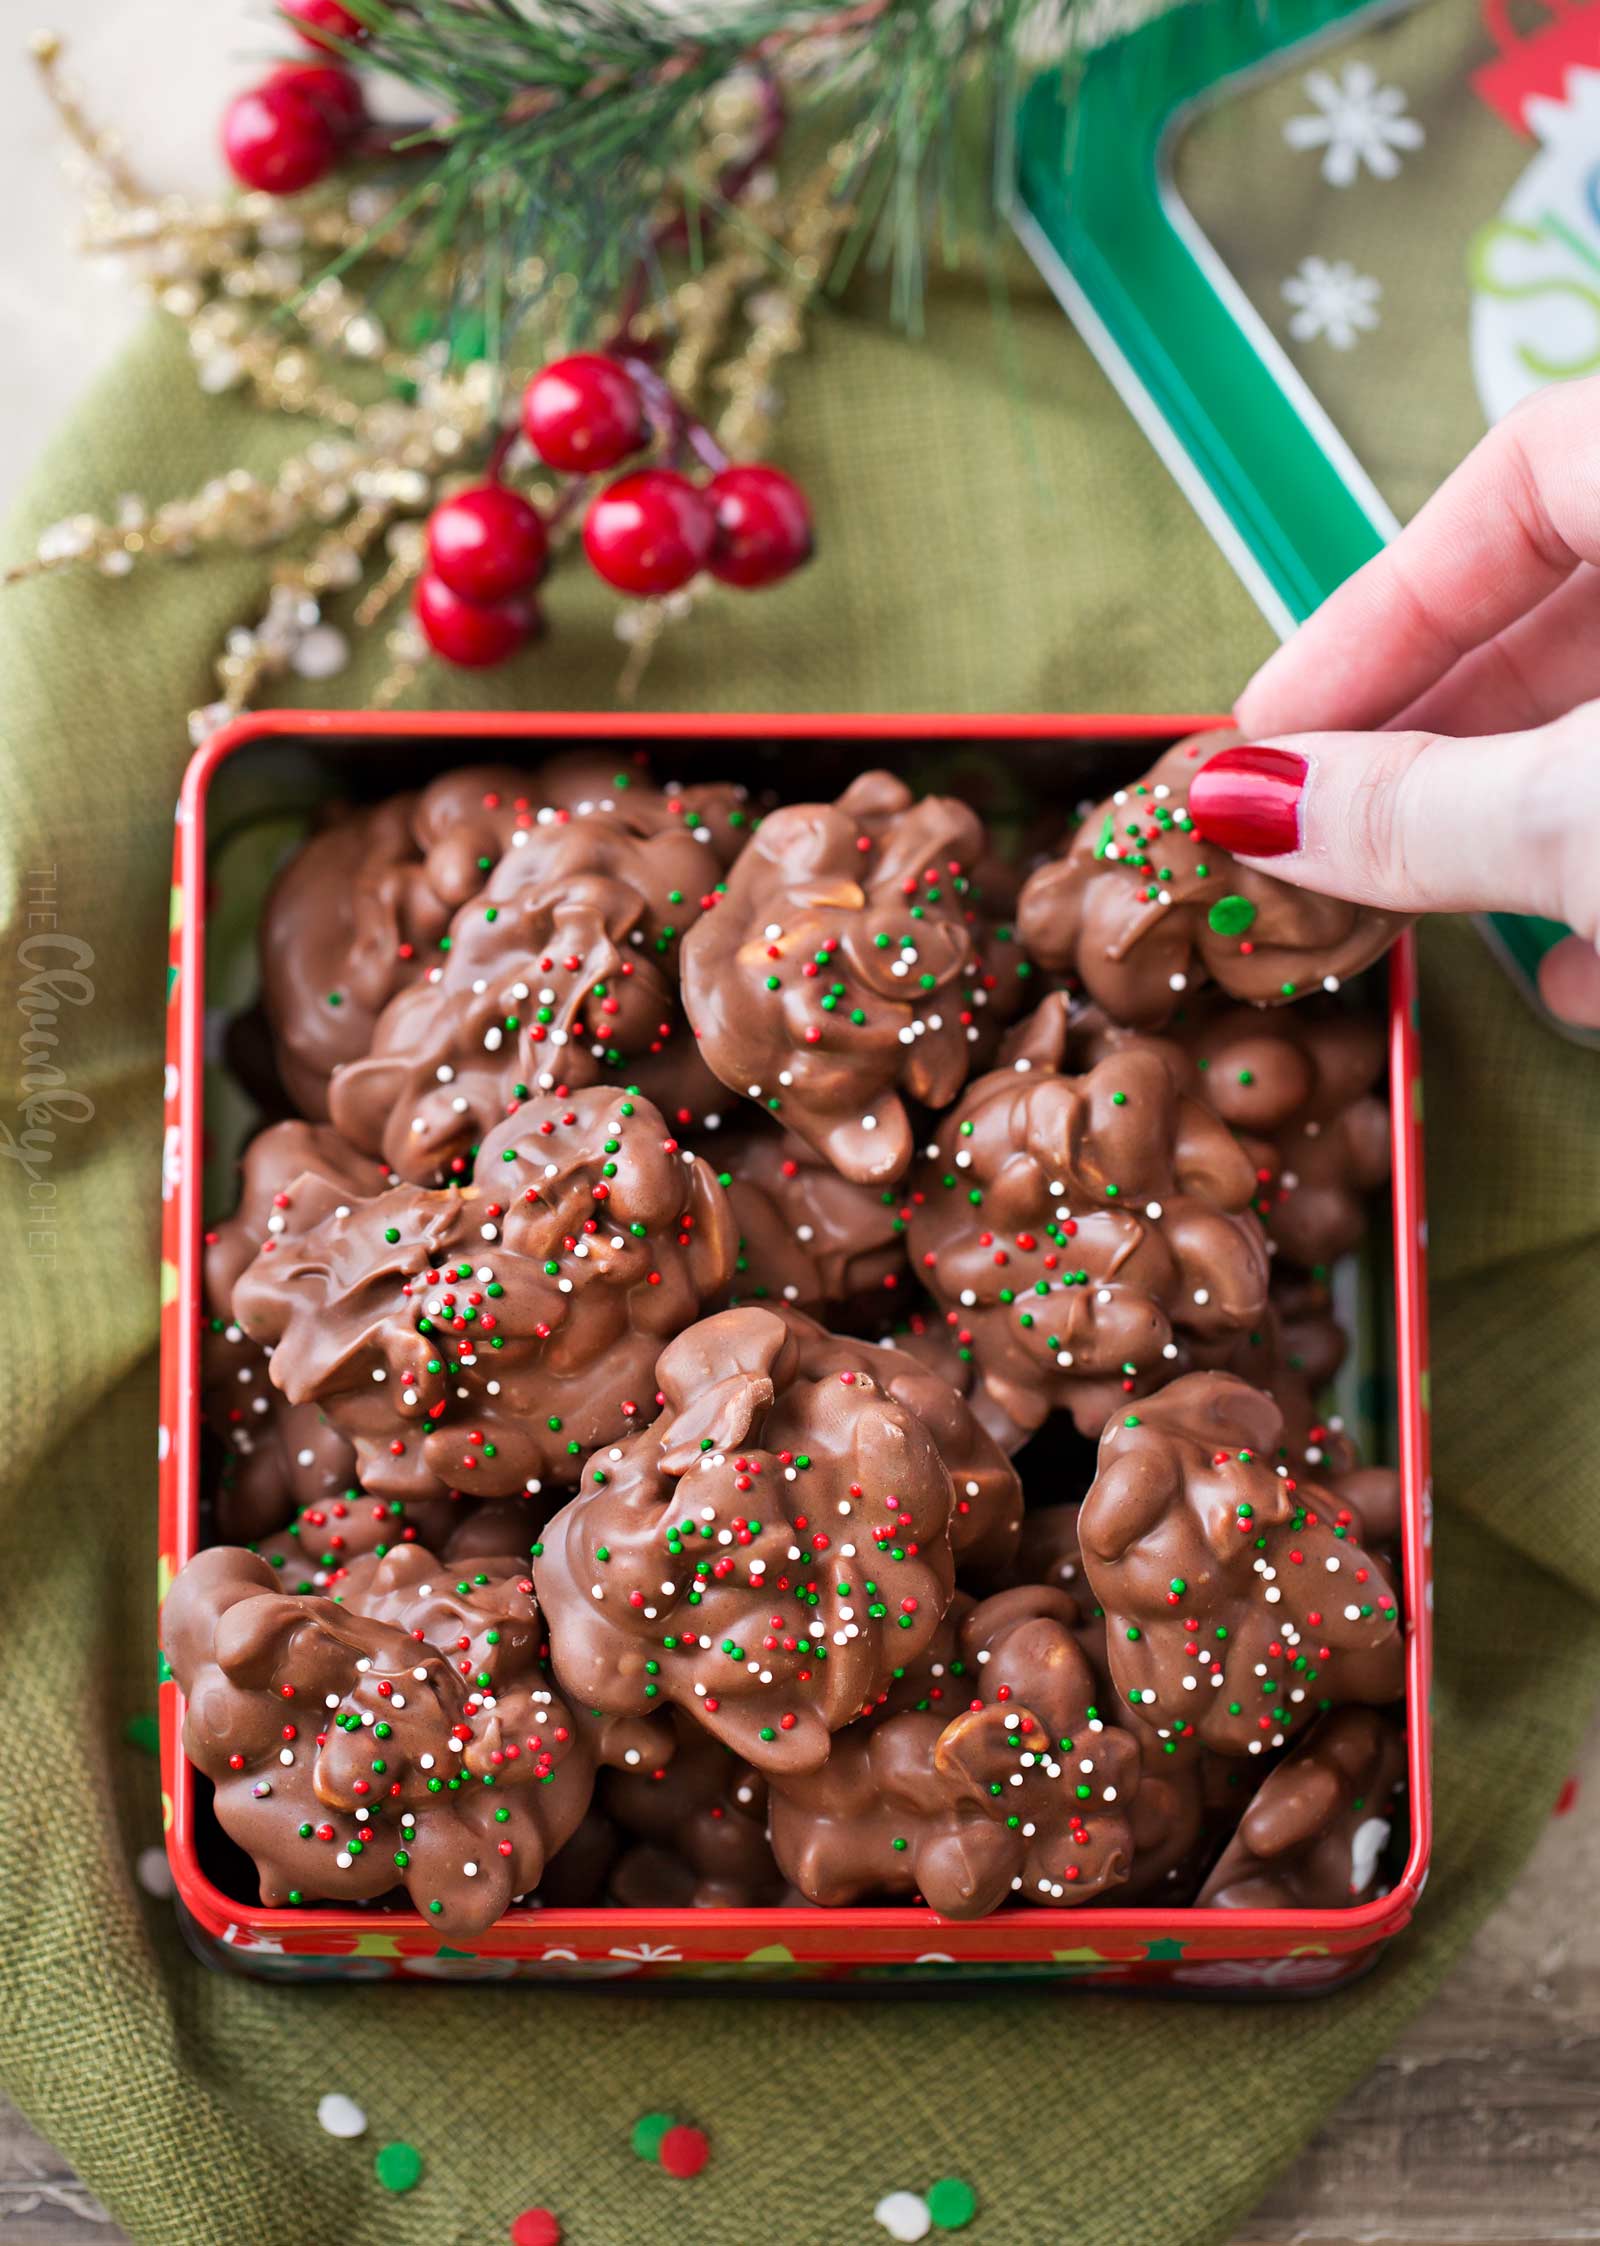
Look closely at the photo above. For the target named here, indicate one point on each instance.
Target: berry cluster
(647, 533)
(292, 130)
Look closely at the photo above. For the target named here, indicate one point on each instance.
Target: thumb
(1419, 822)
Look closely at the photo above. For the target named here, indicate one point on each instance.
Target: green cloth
(969, 560)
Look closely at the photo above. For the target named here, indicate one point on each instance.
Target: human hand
(1473, 640)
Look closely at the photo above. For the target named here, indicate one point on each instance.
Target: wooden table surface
(1480, 2128)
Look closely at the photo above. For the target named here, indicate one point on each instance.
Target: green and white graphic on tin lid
(1318, 247)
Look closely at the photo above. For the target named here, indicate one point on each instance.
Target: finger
(1419, 822)
(1547, 662)
(1569, 982)
(1500, 534)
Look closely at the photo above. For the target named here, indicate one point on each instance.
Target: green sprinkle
(1231, 916)
(398, 2166)
(951, 2202)
(648, 2132)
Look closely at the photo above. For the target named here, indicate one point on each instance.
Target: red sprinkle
(684, 2151)
(536, 2226)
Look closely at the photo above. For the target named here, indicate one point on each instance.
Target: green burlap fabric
(969, 562)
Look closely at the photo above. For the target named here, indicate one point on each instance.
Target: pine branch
(570, 131)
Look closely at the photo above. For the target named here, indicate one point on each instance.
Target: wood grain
(1480, 2128)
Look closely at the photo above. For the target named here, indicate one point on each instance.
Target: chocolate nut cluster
(1139, 910)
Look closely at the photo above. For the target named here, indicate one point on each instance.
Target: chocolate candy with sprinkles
(840, 975)
(358, 912)
(1084, 1233)
(290, 1176)
(1299, 1089)
(808, 1236)
(278, 1457)
(986, 1515)
(557, 974)
(1023, 1794)
(1315, 1835)
(484, 1339)
(762, 1555)
(351, 919)
(320, 1545)
(1240, 1601)
(695, 1828)
(353, 1753)
(1140, 911)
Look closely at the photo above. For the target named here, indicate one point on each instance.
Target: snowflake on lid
(1357, 123)
(1332, 302)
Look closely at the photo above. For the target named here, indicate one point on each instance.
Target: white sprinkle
(154, 1872)
(340, 2116)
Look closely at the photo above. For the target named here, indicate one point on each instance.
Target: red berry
(277, 138)
(473, 634)
(684, 2151)
(337, 93)
(312, 17)
(583, 413)
(763, 525)
(649, 532)
(486, 543)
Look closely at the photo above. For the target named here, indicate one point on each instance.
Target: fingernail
(1248, 800)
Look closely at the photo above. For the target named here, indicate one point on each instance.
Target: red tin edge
(1219, 1952)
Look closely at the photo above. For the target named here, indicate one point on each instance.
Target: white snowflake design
(1358, 123)
(1331, 300)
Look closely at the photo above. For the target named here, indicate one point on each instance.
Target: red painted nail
(1248, 800)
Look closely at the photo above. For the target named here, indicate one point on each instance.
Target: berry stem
(494, 469)
(671, 419)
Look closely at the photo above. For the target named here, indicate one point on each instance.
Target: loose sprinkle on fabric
(648, 2132)
(398, 2166)
(904, 2216)
(340, 2116)
(154, 1873)
(536, 2226)
(684, 2151)
(952, 2203)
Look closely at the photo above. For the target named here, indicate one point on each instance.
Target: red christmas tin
(248, 794)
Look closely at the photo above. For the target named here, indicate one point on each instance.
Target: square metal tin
(1183, 1951)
